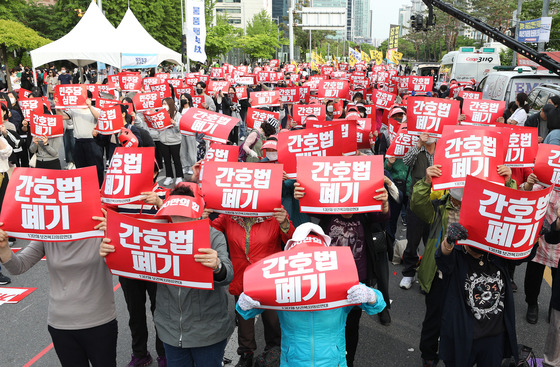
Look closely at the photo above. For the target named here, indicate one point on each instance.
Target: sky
(385, 13)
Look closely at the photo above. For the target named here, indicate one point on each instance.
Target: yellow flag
(335, 62)
(352, 60)
(365, 57)
(396, 56)
(372, 54)
(378, 57)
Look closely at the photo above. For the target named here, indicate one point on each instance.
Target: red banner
(241, 93)
(332, 89)
(245, 80)
(215, 86)
(523, 146)
(481, 111)
(197, 101)
(343, 67)
(349, 133)
(215, 126)
(274, 63)
(222, 153)
(163, 90)
(146, 101)
(23, 93)
(382, 99)
(149, 81)
(159, 120)
(50, 126)
(340, 184)
(130, 173)
(469, 94)
(321, 142)
(289, 95)
(163, 76)
(52, 205)
(175, 83)
(502, 221)
(547, 165)
(70, 96)
(421, 84)
(14, 295)
(426, 114)
(217, 73)
(244, 189)
(265, 99)
(402, 143)
(105, 103)
(183, 90)
(256, 117)
(130, 81)
(113, 81)
(159, 252)
(302, 111)
(110, 120)
(476, 153)
(29, 106)
(309, 278)
(94, 89)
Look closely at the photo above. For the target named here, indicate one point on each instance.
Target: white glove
(253, 154)
(361, 294)
(246, 303)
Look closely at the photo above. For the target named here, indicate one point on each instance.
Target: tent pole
(34, 75)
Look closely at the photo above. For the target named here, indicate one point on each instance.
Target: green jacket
(434, 213)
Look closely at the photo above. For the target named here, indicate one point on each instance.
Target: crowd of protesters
(192, 325)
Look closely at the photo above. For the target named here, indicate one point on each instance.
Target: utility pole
(544, 14)
(291, 29)
(517, 18)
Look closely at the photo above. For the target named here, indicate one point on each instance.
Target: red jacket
(264, 238)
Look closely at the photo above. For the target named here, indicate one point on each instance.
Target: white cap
(303, 231)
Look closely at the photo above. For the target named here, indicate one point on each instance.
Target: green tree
(14, 35)
(221, 38)
(262, 37)
(532, 9)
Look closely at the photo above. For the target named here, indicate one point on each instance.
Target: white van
(467, 64)
(505, 85)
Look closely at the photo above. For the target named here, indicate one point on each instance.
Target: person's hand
(501, 120)
(456, 232)
(106, 248)
(94, 133)
(462, 117)
(196, 171)
(246, 303)
(299, 191)
(4, 242)
(3, 129)
(88, 102)
(36, 140)
(102, 225)
(285, 176)
(204, 105)
(382, 195)
(151, 198)
(44, 139)
(423, 139)
(253, 154)
(206, 213)
(208, 258)
(504, 171)
(281, 216)
(532, 179)
(431, 172)
(25, 123)
(387, 181)
(361, 294)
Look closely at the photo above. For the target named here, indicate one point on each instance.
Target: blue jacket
(315, 338)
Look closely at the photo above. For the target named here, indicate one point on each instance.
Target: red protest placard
(343, 67)
(148, 81)
(50, 126)
(176, 83)
(29, 106)
(304, 94)
(241, 92)
(265, 99)
(215, 86)
(274, 63)
(163, 90)
(104, 103)
(256, 117)
(159, 252)
(349, 133)
(183, 90)
(306, 278)
(159, 120)
(382, 99)
(245, 80)
(421, 84)
(426, 114)
(547, 165)
(469, 94)
(302, 111)
(162, 76)
(326, 141)
(23, 93)
(130, 173)
(130, 81)
(222, 153)
(52, 205)
(476, 153)
(244, 189)
(289, 95)
(113, 81)
(110, 120)
(333, 89)
(198, 101)
(215, 126)
(217, 73)
(94, 89)
(502, 221)
(402, 143)
(70, 96)
(523, 146)
(327, 70)
(481, 111)
(146, 101)
(393, 127)
(340, 184)
(13, 294)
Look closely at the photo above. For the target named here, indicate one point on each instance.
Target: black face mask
(199, 90)
(477, 250)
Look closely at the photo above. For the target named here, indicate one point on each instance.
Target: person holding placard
(47, 151)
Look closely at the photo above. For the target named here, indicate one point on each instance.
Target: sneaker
(140, 362)
(168, 181)
(70, 165)
(162, 361)
(406, 282)
(190, 171)
(178, 180)
(245, 360)
(4, 279)
(385, 317)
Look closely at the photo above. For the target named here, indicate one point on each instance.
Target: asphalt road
(26, 342)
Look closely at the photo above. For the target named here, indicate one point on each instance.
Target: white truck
(467, 64)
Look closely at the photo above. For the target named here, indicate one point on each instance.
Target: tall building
(359, 18)
(239, 13)
(280, 10)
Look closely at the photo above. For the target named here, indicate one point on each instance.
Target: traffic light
(413, 22)
(419, 22)
(184, 44)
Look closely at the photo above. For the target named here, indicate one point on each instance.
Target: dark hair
(268, 129)
(127, 117)
(460, 99)
(5, 111)
(89, 94)
(183, 102)
(443, 88)
(202, 84)
(555, 100)
(172, 111)
(36, 92)
(182, 190)
(512, 106)
(359, 94)
(521, 98)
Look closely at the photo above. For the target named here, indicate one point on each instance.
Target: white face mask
(63, 71)
(330, 108)
(166, 107)
(272, 156)
(12, 101)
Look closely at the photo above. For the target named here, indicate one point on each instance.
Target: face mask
(12, 101)
(431, 140)
(63, 71)
(166, 107)
(330, 108)
(199, 91)
(272, 156)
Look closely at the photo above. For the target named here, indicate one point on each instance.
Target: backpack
(269, 358)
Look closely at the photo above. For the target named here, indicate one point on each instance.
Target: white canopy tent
(92, 39)
(138, 48)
